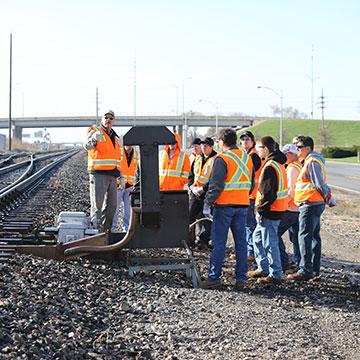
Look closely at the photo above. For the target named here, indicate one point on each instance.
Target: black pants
(196, 206)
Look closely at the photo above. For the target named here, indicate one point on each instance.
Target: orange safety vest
(238, 178)
(297, 165)
(203, 173)
(174, 172)
(305, 190)
(257, 176)
(104, 156)
(128, 171)
(281, 202)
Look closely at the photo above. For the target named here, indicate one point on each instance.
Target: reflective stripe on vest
(178, 170)
(105, 155)
(281, 201)
(305, 190)
(128, 171)
(237, 182)
(202, 175)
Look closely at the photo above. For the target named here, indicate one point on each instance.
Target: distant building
(2, 141)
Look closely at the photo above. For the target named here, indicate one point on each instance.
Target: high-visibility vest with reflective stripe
(257, 176)
(128, 171)
(174, 172)
(305, 190)
(281, 201)
(104, 156)
(238, 178)
(193, 158)
(202, 173)
(296, 165)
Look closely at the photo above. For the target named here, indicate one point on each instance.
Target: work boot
(299, 276)
(269, 280)
(256, 274)
(212, 284)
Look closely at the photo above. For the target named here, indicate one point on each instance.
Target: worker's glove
(257, 217)
(331, 201)
(207, 211)
(198, 191)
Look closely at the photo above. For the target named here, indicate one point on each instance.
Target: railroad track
(23, 200)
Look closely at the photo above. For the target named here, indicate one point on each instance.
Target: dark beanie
(196, 141)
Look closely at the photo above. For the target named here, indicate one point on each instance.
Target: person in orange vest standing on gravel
(103, 167)
(129, 158)
(270, 204)
(291, 219)
(228, 192)
(247, 141)
(174, 167)
(311, 195)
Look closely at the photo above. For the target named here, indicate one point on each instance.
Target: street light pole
(280, 95)
(216, 106)
(185, 135)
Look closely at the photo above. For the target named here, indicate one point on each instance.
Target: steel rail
(26, 183)
(21, 178)
(13, 167)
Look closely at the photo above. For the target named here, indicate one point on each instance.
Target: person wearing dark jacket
(200, 172)
(270, 205)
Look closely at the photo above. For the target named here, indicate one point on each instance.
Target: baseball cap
(196, 141)
(248, 134)
(289, 148)
(109, 112)
(208, 141)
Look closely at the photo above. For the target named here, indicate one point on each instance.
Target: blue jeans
(309, 238)
(225, 218)
(266, 247)
(122, 197)
(250, 227)
(289, 222)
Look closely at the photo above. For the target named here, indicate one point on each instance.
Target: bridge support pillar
(17, 133)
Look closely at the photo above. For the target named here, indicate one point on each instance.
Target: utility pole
(322, 107)
(10, 92)
(97, 106)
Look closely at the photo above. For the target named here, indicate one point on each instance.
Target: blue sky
(63, 50)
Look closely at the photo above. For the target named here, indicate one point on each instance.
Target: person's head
(207, 146)
(247, 140)
(195, 146)
(128, 148)
(305, 146)
(265, 146)
(108, 119)
(173, 147)
(290, 152)
(297, 138)
(227, 138)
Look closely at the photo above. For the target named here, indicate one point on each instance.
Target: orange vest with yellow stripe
(202, 173)
(257, 176)
(238, 178)
(281, 202)
(305, 190)
(104, 156)
(296, 165)
(174, 172)
(128, 171)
